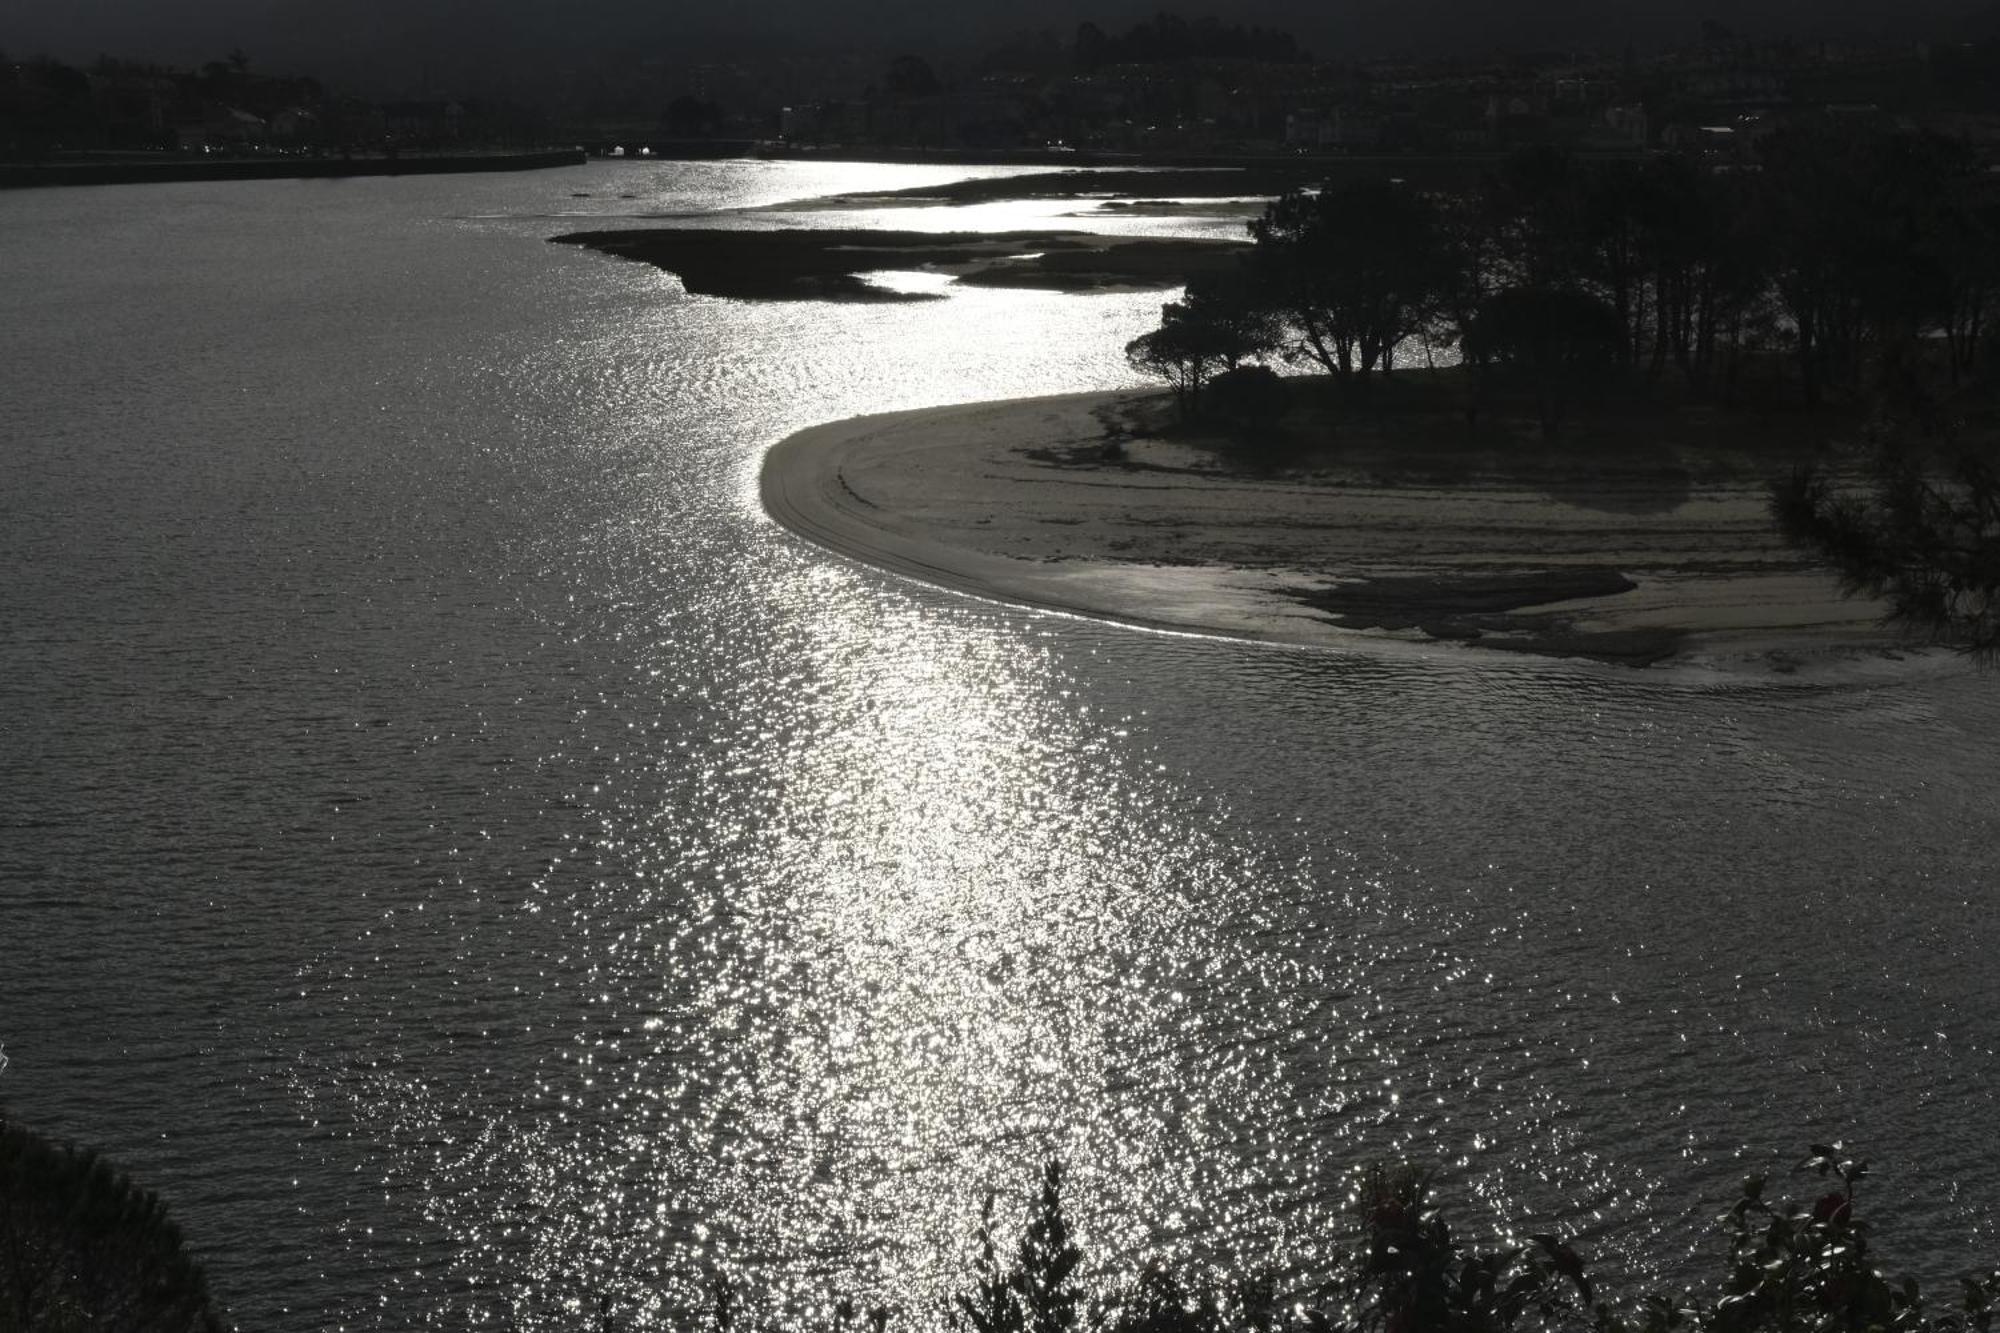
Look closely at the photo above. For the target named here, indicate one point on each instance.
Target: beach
(1637, 555)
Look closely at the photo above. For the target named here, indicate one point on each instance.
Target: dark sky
(329, 34)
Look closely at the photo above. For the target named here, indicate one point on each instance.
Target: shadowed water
(475, 865)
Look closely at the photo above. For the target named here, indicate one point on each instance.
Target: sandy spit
(1016, 501)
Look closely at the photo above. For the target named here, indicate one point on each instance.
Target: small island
(792, 264)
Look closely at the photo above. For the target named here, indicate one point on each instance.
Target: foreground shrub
(1790, 1268)
(82, 1247)
(1250, 396)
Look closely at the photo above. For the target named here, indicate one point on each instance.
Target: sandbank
(820, 264)
(1620, 559)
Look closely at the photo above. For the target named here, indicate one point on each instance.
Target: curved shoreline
(1011, 501)
(804, 487)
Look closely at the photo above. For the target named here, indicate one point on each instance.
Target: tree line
(1867, 261)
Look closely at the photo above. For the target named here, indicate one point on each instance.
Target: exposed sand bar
(1622, 561)
(819, 264)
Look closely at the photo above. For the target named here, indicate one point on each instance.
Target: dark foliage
(1254, 397)
(1924, 534)
(1353, 270)
(1212, 330)
(1038, 1292)
(1788, 1268)
(1811, 1269)
(1558, 340)
(1852, 250)
(1411, 1272)
(82, 1247)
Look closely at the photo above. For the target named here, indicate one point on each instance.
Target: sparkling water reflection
(478, 867)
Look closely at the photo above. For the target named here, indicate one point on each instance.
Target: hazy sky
(307, 33)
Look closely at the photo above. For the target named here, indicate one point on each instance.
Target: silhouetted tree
(1039, 1291)
(1542, 197)
(1215, 327)
(1876, 241)
(1556, 340)
(1665, 244)
(1353, 270)
(1704, 276)
(1940, 210)
(992, 1305)
(1185, 354)
(1232, 309)
(1250, 396)
(1924, 533)
(1791, 1267)
(82, 1247)
(1617, 205)
(1048, 1261)
(1825, 238)
(1967, 241)
(1410, 1272)
(1470, 227)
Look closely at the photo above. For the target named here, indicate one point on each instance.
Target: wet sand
(794, 264)
(1621, 559)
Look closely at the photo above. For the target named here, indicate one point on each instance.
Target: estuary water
(484, 874)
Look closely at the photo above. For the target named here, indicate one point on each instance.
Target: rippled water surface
(478, 868)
